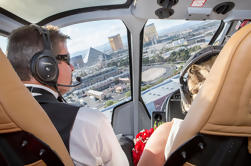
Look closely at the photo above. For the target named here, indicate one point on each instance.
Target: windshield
(99, 54)
(167, 45)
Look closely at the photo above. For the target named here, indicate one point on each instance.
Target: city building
(150, 34)
(94, 57)
(121, 88)
(155, 96)
(116, 42)
(125, 80)
(77, 61)
(97, 94)
(99, 76)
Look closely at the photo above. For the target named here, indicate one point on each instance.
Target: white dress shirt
(173, 132)
(92, 139)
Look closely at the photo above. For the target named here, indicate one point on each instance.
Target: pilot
(160, 142)
(41, 59)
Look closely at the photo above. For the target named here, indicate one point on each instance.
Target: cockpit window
(3, 43)
(99, 54)
(167, 45)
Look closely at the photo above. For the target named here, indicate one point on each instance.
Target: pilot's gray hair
(24, 42)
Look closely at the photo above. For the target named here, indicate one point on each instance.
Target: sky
(92, 34)
(96, 33)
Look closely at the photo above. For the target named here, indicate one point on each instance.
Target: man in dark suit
(41, 59)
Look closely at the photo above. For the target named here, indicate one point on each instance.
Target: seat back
(223, 105)
(20, 112)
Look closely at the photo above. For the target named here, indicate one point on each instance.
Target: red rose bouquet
(140, 142)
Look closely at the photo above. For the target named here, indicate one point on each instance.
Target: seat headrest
(223, 105)
(20, 111)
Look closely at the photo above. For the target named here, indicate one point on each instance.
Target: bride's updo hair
(195, 73)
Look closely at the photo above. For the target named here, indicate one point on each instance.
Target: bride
(160, 142)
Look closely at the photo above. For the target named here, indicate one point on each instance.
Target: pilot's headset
(200, 57)
(43, 65)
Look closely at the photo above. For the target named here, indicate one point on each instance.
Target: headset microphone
(74, 85)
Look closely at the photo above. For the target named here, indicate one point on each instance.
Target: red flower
(135, 157)
(145, 135)
(139, 135)
(139, 146)
(140, 142)
(151, 130)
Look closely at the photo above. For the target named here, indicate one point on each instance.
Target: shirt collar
(42, 87)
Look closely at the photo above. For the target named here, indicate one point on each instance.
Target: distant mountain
(187, 25)
(104, 48)
(83, 53)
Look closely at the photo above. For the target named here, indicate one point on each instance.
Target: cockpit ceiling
(37, 11)
(34, 11)
(15, 13)
(184, 9)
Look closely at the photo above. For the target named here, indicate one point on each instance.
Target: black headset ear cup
(44, 67)
(43, 64)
